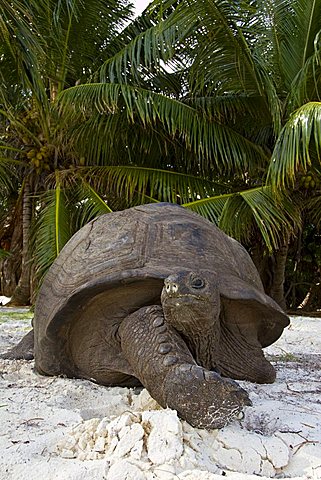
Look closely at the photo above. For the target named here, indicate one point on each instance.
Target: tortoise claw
(203, 398)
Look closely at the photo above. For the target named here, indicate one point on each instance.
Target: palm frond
(8, 172)
(4, 254)
(313, 207)
(303, 22)
(161, 185)
(90, 203)
(229, 106)
(306, 84)
(25, 46)
(240, 214)
(4, 146)
(52, 230)
(213, 142)
(155, 42)
(295, 32)
(90, 26)
(18, 31)
(292, 151)
(227, 58)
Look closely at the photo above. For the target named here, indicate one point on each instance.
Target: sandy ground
(65, 429)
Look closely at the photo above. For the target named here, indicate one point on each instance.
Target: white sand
(47, 431)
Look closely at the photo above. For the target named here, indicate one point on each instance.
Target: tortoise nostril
(171, 287)
(174, 287)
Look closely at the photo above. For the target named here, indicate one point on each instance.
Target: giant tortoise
(157, 295)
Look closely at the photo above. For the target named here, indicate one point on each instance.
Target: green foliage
(52, 228)
(241, 214)
(212, 105)
(90, 204)
(298, 142)
(303, 270)
(4, 254)
(208, 140)
(160, 185)
(16, 315)
(45, 47)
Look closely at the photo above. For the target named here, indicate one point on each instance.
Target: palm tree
(262, 68)
(296, 159)
(67, 170)
(188, 105)
(45, 47)
(202, 82)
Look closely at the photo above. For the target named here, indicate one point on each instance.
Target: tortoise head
(190, 301)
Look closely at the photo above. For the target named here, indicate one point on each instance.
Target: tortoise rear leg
(163, 363)
(23, 350)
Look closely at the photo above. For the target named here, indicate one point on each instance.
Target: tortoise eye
(197, 282)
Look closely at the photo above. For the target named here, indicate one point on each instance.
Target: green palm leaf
(154, 184)
(155, 41)
(239, 214)
(4, 254)
(231, 60)
(90, 26)
(314, 209)
(90, 203)
(8, 172)
(219, 47)
(301, 26)
(211, 141)
(52, 230)
(292, 152)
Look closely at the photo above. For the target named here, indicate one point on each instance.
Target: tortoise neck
(203, 345)
(200, 331)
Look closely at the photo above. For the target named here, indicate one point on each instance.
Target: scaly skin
(23, 350)
(163, 363)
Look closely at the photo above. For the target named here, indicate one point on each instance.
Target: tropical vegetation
(212, 104)
(45, 47)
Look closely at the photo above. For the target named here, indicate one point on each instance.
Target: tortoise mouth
(177, 299)
(184, 295)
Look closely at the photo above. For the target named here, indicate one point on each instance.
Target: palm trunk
(21, 295)
(277, 288)
(10, 267)
(272, 270)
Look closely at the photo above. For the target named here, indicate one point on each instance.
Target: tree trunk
(21, 295)
(277, 288)
(272, 271)
(10, 267)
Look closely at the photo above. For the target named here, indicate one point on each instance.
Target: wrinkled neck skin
(197, 320)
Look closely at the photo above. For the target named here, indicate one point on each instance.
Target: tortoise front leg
(161, 360)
